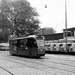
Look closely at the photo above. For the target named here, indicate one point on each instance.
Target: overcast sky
(54, 14)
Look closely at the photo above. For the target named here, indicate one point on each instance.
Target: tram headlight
(26, 47)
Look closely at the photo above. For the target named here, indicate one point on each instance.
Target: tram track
(56, 62)
(44, 65)
(61, 62)
(6, 70)
(67, 62)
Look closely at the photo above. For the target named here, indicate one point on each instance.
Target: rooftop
(69, 29)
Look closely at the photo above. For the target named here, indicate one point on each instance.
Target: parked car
(4, 46)
(57, 47)
(63, 47)
(46, 47)
(54, 47)
(51, 46)
(72, 48)
(68, 46)
(60, 47)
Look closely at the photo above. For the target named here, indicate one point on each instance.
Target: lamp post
(66, 22)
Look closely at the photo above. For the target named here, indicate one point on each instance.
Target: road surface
(50, 64)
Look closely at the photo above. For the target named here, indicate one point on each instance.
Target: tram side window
(31, 43)
(14, 43)
(23, 42)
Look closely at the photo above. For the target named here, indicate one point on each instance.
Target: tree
(23, 18)
(4, 27)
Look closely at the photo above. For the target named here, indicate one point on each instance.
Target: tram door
(13, 47)
(32, 47)
(29, 46)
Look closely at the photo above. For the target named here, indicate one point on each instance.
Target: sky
(54, 15)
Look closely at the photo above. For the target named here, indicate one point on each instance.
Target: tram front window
(31, 43)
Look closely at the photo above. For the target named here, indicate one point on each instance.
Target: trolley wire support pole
(66, 22)
(43, 35)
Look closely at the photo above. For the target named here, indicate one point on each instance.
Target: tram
(31, 46)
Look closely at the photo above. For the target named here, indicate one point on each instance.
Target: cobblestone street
(51, 64)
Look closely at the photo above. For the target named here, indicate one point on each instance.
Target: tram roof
(31, 36)
(20, 38)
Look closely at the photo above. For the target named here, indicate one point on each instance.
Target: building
(70, 33)
(61, 37)
(45, 31)
(55, 36)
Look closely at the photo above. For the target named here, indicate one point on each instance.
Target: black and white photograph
(37, 37)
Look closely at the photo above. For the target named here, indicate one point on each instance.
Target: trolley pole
(66, 22)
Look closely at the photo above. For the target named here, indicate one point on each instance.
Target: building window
(72, 33)
(69, 34)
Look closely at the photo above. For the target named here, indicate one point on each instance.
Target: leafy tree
(4, 27)
(23, 18)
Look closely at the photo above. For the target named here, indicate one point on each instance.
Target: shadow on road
(62, 53)
(29, 57)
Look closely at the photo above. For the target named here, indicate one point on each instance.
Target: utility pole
(66, 22)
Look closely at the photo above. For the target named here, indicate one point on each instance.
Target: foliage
(22, 18)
